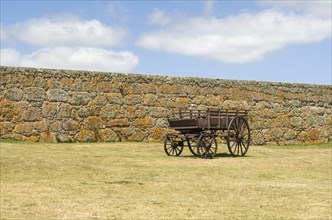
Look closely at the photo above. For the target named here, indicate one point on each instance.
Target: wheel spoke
(241, 147)
(238, 149)
(244, 145)
(233, 144)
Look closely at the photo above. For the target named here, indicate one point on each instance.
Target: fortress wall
(67, 106)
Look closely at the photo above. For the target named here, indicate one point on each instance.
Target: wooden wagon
(199, 129)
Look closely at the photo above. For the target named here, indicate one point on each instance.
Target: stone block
(13, 94)
(157, 134)
(143, 123)
(66, 82)
(93, 123)
(57, 95)
(166, 103)
(6, 127)
(31, 114)
(53, 84)
(50, 110)
(70, 125)
(159, 112)
(296, 122)
(55, 126)
(64, 138)
(35, 94)
(32, 138)
(122, 122)
(109, 111)
(64, 110)
(100, 100)
(85, 136)
(26, 128)
(17, 137)
(79, 98)
(150, 99)
(47, 137)
(314, 134)
(114, 98)
(132, 99)
(107, 135)
(137, 136)
(290, 135)
(8, 110)
(41, 126)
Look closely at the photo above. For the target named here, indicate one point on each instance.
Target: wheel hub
(174, 145)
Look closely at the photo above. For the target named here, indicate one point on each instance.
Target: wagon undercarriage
(199, 131)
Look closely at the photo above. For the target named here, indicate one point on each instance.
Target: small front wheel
(173, 146)
(207, 145)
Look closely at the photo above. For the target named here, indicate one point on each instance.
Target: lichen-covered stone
(296, 122)
(70, 125)
(85, 136)
(31, 114)
(137, 136)
(64, 110)
(57, 95)
(64, 138)
(93, 123)
(159, 112)
(109, 111)
(114, 98)
(50, 110)
(107, 135)
(32, 138)
(8, 110)
(35, 94)
(132, 99)
(157, 134)
(143, 123)
(26, 128)
(47, 137)
(6, 127)
(100, 100)
(79, 98)
(121, 122)
(14, 94)
(150, 99)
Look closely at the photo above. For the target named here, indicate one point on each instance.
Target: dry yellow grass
(138, 181)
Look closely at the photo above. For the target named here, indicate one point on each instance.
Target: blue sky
(283, 41)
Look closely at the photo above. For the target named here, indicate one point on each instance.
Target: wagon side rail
(212, 116)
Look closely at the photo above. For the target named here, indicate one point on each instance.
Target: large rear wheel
(238, 138)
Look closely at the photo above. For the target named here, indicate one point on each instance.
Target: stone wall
(66, 106)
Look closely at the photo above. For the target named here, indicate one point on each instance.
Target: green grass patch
(138, 181)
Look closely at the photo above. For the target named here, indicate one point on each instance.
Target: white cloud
(66, 32)
(319, 8)
(246, 37)
(78, 58)
(3, 34)
(208, 7)
(158, 17)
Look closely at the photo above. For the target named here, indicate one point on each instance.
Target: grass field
(138, 181)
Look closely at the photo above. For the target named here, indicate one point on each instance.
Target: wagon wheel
(238, 137)
(207, 145)
(192, 144)
(172, 146)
